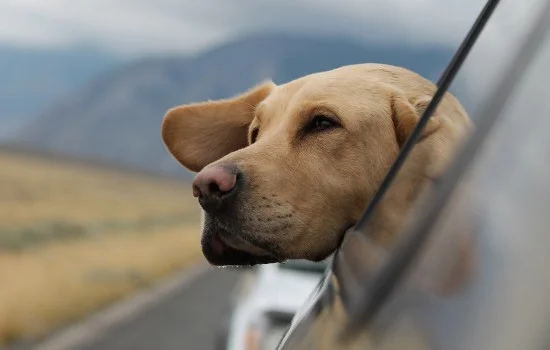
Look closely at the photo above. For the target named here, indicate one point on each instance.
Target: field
(74, 237)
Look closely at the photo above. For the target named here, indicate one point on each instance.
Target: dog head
(285, 170)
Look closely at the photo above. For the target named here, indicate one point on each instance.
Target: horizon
(42, 68)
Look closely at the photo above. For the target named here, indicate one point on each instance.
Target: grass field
(74, 237)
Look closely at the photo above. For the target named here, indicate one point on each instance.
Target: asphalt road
(188, 319)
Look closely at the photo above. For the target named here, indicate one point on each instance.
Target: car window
(498, 298)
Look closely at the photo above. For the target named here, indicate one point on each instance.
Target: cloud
(121, 26)
(147, 26)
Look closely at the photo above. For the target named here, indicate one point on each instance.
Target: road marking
(94, 326)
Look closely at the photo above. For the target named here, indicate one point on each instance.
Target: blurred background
(94, 210)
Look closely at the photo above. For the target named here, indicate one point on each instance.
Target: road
(188, 319)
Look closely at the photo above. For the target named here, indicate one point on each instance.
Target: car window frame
(321, 296)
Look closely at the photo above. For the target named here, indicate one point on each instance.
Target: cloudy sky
(152, 26)
(143, 27)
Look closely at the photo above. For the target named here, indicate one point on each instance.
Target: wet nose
(212, 186)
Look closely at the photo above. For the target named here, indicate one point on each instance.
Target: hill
(33, 79)
(117, 117)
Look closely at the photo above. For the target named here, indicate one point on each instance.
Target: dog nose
(212, 186)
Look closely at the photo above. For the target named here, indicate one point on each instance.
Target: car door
(480, 281)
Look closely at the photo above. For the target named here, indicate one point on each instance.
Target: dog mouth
(222, 248)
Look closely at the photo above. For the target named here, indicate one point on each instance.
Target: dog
(283, 171)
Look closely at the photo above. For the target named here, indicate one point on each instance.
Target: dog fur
(303, 186)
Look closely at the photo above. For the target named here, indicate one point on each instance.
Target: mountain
(117, 117)
(33, 79)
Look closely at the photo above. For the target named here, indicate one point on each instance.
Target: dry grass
(35, 190)
(129, 231)
(49, 286)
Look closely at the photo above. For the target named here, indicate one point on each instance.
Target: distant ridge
(117, 117)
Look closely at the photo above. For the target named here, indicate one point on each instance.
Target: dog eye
(254, 135)
(322, 122)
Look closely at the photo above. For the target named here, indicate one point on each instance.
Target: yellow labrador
(285, 170)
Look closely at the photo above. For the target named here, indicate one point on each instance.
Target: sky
(135, 28)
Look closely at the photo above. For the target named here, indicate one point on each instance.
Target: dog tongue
(217, 245)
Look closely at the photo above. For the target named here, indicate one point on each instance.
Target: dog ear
(424, 162)
(406, 114)
(200, 133)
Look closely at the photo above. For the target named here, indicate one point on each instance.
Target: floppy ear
(200, 133)
(423, 162)
(406, 114)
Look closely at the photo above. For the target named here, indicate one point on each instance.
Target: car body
(266, 300)
(499, 189)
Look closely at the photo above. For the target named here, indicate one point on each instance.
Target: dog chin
(220, 251)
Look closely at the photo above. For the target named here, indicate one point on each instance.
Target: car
(266, 300)
(497, 194)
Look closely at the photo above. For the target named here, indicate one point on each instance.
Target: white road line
(99, 323)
